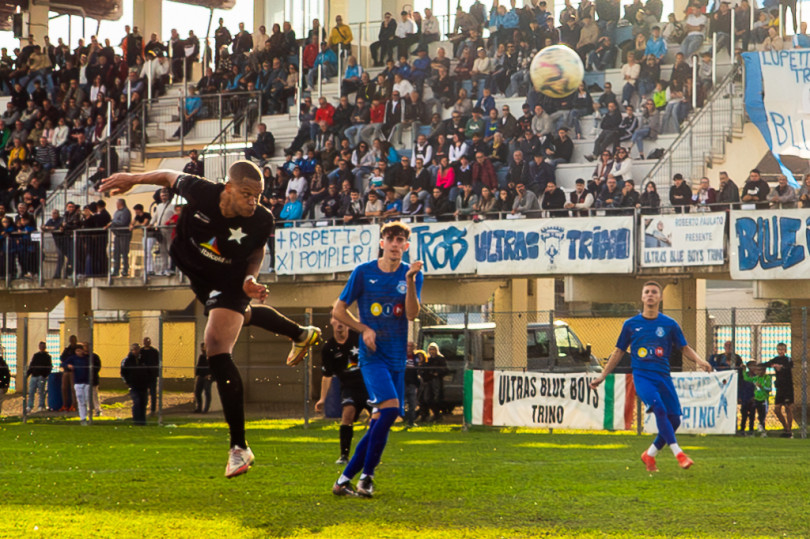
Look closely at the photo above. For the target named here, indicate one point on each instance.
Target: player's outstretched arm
(704, 365)
(411, 300)
(613, 360)
(342, 314)
(123, 181)
(326, 383)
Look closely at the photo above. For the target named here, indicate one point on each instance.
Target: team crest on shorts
(659, 331)
(402, 287)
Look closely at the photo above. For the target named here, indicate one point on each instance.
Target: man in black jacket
(386, 39)
(202, 383)
(610, 131)
(680, 195)
(136, 374)
(151, 358)
(264, 147)
(756, 190)
(554, 200)
(38, 372)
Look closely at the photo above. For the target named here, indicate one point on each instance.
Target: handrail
(705, 116)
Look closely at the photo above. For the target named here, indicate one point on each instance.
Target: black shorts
(213, 297)
(355, 396)
(784, 395)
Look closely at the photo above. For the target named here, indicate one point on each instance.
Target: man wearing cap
(482, 68)
(386, 40)
(580, 200)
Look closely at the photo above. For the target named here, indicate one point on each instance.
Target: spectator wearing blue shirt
(393, 205)
(352, 77)
(486, 102)
(802, 40)
(79, 365)
(328, 60)
(191, 109)
(656, 45)
(293, 209)
(421, 68)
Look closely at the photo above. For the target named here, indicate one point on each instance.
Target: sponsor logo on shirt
(211, 245)
(402, 287)
(642, 352)
(398, 310)
(659, 351)
(376, 309)
(210, 250)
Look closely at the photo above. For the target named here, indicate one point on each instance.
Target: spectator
(95, 365)
(603, 56)
(465, 202)
(526, 201)
(611, 195)
(563, 148)
(801, 40)
(762, 384)
(79, 365)
(783, 196)
(383, 48)
(136, 375)
(656, 44)
(38, 371)
(293, 210)
(202, 384)
(622, 167)
(5, 381)
(705, 197)
(122, 236)
(393, 205)
(773, 42)
(340, 38)
(553, 199)
(430, 29)
(695, 26)
(610, 131)
(192, 105)
(327, 60)
(804, 193)
(539, 174)
(680, 195)
(630, 72)
(150, 358)
(649, 201)
(431, 390)
(439, 203)
(352, 78)
(756, 190)
(160, 233)
(264, 147)
(728, 192)
(406, 33)
(727, 360)
(353, 210)
(580, 200)
(649, 127)
(782, 365)
(581, 105)
(194, 166)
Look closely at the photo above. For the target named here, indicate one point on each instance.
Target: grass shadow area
(115, 480)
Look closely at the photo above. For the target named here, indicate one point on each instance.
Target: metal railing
(703, 136)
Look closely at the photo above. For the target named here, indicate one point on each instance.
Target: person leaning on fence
(782, 364)
(38, 371)
(151, 358)
(202, 383)
(432, 372)
(5, 381)
(136, 376)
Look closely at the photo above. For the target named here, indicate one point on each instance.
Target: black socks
(346, 432)
(268, 318)
(232, 395)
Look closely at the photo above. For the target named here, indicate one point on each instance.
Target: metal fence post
(308, 322)
(25, 368)
(804, 374)
(89, 395)
(75, 261)
(160, 369)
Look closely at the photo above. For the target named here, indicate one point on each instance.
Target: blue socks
(369, 449)
(667, 425)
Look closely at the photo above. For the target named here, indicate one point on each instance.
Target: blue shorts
(384, 383)
(653, 387)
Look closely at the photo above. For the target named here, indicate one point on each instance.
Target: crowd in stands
(424, 137)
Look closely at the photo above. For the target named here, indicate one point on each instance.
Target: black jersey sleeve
(195, 189)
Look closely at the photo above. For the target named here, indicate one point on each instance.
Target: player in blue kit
(387, 292)
(651, 337)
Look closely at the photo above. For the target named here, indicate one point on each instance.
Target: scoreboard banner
(546, 400)
(690, 239)
(769, 244)
(708, 403)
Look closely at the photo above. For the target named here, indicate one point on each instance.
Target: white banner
(691, 239)
(443, 247)
(769, 244)
(533, 399)
(708, 403)
(552, 246)
(325, 249)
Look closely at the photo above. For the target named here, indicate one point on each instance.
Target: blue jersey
(380, 298)
(651, 341)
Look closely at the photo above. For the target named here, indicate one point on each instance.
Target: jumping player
(387, 293)
(339, 357)
(219, 246)
(651, 337)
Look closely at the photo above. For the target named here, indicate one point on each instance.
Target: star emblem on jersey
(237, 235)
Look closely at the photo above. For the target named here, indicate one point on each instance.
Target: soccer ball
(556, 71)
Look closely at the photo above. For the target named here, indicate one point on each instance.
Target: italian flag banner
(534, 399)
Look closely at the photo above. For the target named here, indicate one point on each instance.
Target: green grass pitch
(113, 480)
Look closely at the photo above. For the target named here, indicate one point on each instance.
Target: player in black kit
(339, 357)
(219, 245)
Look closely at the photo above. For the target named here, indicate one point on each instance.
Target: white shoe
(299, 348)
(239, 461)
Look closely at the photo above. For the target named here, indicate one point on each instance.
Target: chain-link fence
(468, 338)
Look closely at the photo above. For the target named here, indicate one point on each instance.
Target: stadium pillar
(78, 310)
(27, 344)
(147, 15)
(545, 294)
(798, 348)
(685, 301)
(265, 11)
(38, 21)
(511, 310)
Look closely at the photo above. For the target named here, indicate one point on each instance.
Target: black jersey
(341, 360)
(211, 247)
